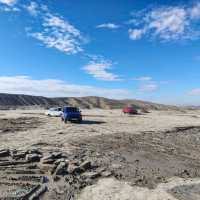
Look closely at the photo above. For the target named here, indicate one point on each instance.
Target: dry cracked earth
(154, 156)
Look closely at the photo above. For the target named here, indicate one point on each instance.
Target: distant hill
(15, 101)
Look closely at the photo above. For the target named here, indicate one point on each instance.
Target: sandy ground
(96, 122)
(151, 156)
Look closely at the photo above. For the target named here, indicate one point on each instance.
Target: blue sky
(143, 49)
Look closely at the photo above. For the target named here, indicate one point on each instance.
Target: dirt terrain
(153, 156)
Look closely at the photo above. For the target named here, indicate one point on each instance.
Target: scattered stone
(86, 165)
(4, 152)
(49, 161)
(57, 162)
(39, 192)
(33, 157)
(73, 169)
(106, 173)
(56, 178)
(19, 155)
(12, 163)
(56, 155)
(185, 173)
(53, 156)
(34, 151)
(60, 133)
(61, 169)
(91, 175)
(49, 157)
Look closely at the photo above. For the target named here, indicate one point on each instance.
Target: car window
(71, 109)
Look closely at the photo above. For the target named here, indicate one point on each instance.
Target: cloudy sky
(143, 49)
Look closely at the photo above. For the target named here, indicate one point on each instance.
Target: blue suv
(71, 114)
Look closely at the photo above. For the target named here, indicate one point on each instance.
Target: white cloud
(54, 31)
(8, 2)
(169, 23)
(108, 26)
(99, 70)
(10, 9)
(143, 78)
(195, 11)
(195, 92)
(32, 8)
(166, 23)
(55, 88)
(136, 34)
(151, 87)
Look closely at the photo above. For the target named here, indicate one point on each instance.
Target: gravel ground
(150, 156)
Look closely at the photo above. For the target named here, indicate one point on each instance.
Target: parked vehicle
(71, 114)
(129, 110)
(54, 112)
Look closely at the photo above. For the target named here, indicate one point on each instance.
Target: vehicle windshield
(71, 109)
(55, 109)
(52, 109)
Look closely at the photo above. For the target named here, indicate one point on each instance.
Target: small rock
(34, 151)
(73, 169)
(185, 173)
(101, 169)
(106, 174)
(57, 162)
(49, 157)
(56, 178)
(57, 155)
(49, 161)
(18, 155)
(33, 157)
(91, 175)
(60, 133)
(86, 165)
(39, 192)
(61, 169)
(4, 152)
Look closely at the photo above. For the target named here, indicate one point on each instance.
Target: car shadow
(90, 122)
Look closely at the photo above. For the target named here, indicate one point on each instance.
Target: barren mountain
(18, 100)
